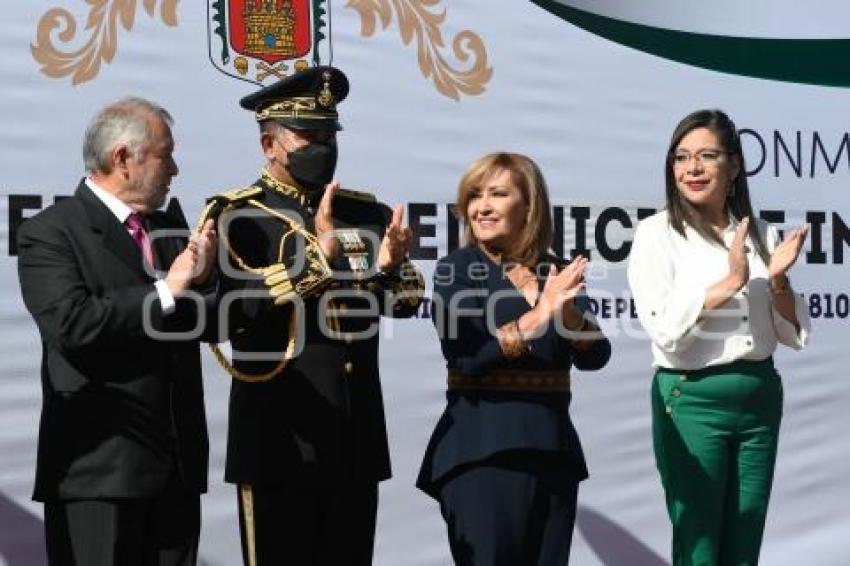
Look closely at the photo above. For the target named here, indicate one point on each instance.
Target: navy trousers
(516, 509)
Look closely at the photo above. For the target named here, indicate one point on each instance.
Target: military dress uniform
(307, 442)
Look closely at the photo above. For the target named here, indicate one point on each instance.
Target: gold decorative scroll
(417, 18)
(104, 16)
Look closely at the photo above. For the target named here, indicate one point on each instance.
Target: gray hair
(124, 122)
(272, 127)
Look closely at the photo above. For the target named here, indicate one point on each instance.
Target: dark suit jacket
(319, 422)
(121, 410)
(478, 425)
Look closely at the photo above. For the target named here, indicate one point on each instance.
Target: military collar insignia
(303, 197)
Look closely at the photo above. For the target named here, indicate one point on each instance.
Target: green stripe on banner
(810, 61)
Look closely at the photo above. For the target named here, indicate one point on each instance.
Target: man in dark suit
(316, 266)
(122, 455)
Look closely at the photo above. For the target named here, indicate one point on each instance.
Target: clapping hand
(324, 222)
(203, 244)
(787, 252)
(560, 290)
(396, 242)
(194, 264)
(739, 267)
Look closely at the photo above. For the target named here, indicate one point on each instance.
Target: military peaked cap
(304, 100)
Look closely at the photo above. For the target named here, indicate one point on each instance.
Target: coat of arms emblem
(265, 40)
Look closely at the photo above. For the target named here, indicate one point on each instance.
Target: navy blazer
(472, 296)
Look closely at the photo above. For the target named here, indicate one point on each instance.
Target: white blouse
(669, 276)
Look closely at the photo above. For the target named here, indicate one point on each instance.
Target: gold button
(675, 392)
(348, 338)
(349, 367)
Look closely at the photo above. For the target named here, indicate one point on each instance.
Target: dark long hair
(680, 211)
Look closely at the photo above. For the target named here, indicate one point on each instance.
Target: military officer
(308, 270)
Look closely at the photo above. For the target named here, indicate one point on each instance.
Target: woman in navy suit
(505, 461)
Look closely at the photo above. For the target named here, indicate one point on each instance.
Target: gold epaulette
(237, 196)
(216, 204)
(357, 195)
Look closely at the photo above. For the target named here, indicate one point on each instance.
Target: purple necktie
(140, 236)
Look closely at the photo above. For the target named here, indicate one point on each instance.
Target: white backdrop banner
(590, 90)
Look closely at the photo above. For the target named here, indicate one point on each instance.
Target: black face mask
(313, 166)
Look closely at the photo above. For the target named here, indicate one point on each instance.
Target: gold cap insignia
(326, 97)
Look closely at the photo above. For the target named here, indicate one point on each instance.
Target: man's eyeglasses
(708, 157)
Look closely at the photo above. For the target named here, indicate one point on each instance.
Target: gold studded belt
(510, 380)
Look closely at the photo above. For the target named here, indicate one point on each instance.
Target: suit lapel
(115, 237)
(167, 245)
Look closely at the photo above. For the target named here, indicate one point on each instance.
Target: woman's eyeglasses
(707, 157)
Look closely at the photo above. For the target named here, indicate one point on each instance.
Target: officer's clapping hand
(324, 222)
(396, 242)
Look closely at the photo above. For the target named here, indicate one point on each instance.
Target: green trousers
(715, 433)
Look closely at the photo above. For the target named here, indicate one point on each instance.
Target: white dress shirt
(669, 276)
(121, 211)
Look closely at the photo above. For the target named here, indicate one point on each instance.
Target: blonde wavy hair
(535, 236)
